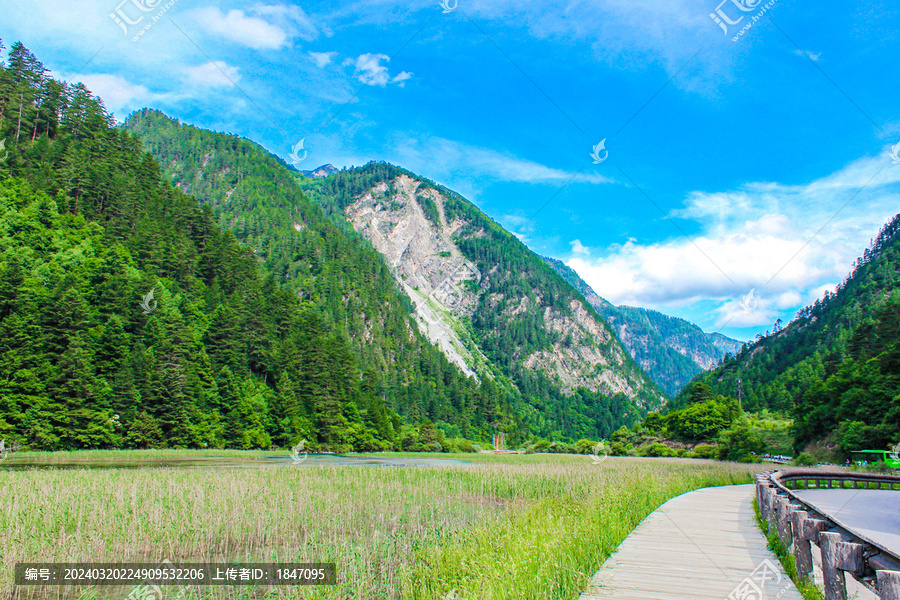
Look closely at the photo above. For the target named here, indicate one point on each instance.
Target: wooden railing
(805, 528)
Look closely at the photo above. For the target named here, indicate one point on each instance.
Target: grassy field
(503, 527)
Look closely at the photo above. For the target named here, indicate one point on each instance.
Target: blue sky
(755, 162)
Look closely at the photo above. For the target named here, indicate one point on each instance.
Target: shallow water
(273, 461)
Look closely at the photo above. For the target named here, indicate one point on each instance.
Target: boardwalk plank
(700, 545)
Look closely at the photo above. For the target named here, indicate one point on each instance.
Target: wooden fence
(805, 529)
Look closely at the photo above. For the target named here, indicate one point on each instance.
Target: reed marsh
(501, 527)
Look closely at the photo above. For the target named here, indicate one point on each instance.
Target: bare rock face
(408, 225)
(442, 284)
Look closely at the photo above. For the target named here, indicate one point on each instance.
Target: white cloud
(322, 59)
(261, 28)
(632, 35)
(810, 55)
(237, 27)
(370, 71)
(521, 236)
(119, 95)
(579, 248)
(450, 158)
(737, 313)
(784, 241)
(293, 20)
(401, 77)
(208, 74)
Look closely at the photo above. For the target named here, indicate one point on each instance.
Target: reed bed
(506, 527)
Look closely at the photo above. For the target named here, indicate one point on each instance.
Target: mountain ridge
(205, 163)
(836, 366)
(397, 209)
(670, 349)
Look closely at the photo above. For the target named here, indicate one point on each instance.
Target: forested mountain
(259, 198)
(724, 343)
(469, 278)
(669, 349)
(128, 318)
(836, 366)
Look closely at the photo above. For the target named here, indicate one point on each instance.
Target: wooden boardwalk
(701, 545)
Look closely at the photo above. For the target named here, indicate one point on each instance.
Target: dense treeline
(511, 273)
(709, 426)
(835, 367)
(255, 196)
(250, 191)
(135, 315)
(129, 319)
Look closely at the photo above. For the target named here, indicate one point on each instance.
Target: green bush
(705, 451)
(740, 443)
(466, 446)
(702, 420)
(585, 447)
(541, 446)
(622, 434)
(656, 449)
(654, 423)
(805, 459)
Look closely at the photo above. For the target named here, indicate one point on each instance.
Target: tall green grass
(535, 526)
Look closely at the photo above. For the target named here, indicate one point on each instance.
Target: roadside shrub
(702, 420)
(805, 459)
(656, 449)
(705, 451)
(739, 443)
(585, 447)
(466, 446)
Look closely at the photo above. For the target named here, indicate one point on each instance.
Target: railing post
(771, 496)
(888, 585)
(839, 556)
(806, 529)
(760, 486)
(783, 509)
(762, 490)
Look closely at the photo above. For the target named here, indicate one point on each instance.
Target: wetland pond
(275, 460)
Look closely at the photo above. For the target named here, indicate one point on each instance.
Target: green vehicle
(889, 457)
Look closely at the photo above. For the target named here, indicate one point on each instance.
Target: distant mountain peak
(320, 172)
(670, 349)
